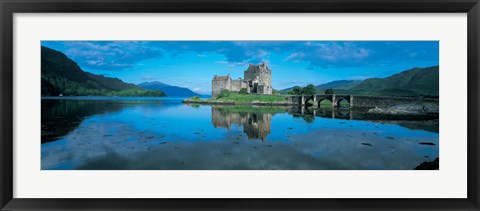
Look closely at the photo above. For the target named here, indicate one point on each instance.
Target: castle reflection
(255, 124)
(256, 121)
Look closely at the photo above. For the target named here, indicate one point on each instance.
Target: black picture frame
(10, 7)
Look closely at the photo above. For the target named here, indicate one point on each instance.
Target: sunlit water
(162, 133)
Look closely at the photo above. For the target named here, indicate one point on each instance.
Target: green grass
(136, 92)
(246, 98)
(235, 98)
(250, 109)
(328, 103)
(416, 81)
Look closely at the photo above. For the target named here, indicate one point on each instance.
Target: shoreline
(256, 103)
(400, 113)
(80, 96)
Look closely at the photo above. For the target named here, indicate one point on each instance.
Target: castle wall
(262, 89)
(257, 79)
(219, 85)
(236, 85)
(262, 79)
(265, 82)
(265, 78)
(249, 75)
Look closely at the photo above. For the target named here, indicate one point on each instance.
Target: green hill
(413, 82)
(168, 89)
(339, 85)
(285, 91)
(63, 76)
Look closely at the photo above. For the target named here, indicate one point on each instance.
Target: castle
(257, 79)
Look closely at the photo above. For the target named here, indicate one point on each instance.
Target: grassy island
(234, 98)
(225, 109)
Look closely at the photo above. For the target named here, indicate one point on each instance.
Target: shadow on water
(162, 134)
(61, 116)
(256, 119)
(415, 122)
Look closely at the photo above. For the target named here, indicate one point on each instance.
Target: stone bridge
(360, 101)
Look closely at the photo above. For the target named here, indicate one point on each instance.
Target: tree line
(310, 89)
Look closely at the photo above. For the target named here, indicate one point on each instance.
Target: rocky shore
(194, 100)
(432, 165)
(427, 111)
(407, 109)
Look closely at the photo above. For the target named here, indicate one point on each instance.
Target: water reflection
(255, 124)
(62, 115)
(256, 120)
(166, 134)
(69, 114)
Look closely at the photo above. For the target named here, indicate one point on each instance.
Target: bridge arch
(307, 100)
(320, 100)
(364, 102)
(340, 100)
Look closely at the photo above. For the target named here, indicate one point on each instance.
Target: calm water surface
(162, 133)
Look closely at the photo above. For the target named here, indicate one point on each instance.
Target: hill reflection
(98, 133)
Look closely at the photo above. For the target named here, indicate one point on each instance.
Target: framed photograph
(227, 105)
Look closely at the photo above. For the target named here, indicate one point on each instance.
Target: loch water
(128, 133)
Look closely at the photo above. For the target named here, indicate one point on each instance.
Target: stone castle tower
(257, 79)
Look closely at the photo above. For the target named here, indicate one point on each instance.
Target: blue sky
(192, 64)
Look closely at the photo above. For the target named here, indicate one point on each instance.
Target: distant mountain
(413, 82)
(337, 85)
(168, 89)
(341, 84)
(285, 91)
(63, 76)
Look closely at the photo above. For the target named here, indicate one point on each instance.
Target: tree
(309, 90)
(224, 93)
(296, 91)
(243, 91)
(329, 92)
